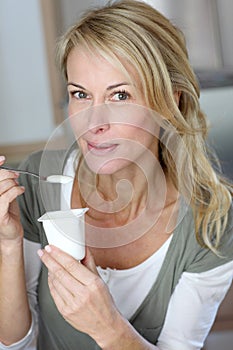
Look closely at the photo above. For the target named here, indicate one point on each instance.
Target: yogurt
(62, 179)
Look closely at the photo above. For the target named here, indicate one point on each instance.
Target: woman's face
(107, 113)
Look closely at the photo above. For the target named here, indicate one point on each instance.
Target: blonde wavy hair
(156, 49)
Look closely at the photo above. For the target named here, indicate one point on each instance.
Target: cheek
(79, 124)
(75, 107)
(140, 136)
(72, 108)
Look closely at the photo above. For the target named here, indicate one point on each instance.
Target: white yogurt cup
(66, 230)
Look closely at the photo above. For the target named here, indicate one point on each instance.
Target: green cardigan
(184, 254)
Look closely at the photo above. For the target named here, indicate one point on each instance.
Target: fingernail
(40, 252)
(48, 249)
(2, 158)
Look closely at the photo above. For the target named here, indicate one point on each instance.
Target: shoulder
(44, 159)
(226, 243)
(200, 258)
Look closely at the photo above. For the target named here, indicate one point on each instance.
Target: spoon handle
(22, 172)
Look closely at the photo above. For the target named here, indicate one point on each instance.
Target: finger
(67, 303)
(74, 267)
(59, 297)
(8, 197)
(11, 193)
(6, 185)
(7, 174)
(59, 292)
(59, 273)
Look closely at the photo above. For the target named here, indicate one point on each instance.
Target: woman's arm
(124, 336)
(15, 315)
(32, 270)
(193, 307)
(14, 308)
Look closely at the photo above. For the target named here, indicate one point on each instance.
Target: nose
(98, 119)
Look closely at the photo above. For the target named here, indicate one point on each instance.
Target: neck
(123, 195)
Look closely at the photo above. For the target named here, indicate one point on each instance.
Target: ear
(177, 95)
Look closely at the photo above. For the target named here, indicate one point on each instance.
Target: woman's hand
(10, 226)
(80, 294)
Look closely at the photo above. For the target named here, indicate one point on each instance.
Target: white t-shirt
(192, 307)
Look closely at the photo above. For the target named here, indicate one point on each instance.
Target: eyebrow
(114, 86)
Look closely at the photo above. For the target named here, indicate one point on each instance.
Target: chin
(108, 168)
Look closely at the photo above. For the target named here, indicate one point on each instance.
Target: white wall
(26, 113)
(217, 103)
(225, 10)
(25, 101)
(72, 9)
(207, 25)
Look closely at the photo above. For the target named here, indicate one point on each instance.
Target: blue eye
(79, 94)
(120, 96)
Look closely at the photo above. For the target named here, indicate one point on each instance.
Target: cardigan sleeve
(193, 307)
(29, 203)
(204, 259)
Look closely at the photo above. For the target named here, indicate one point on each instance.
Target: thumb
(89, 261)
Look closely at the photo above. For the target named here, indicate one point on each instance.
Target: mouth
(101, 148)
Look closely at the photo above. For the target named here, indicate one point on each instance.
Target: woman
(159, 227)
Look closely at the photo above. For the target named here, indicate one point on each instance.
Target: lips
(101, 148)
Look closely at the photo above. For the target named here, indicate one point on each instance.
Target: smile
(100, 149)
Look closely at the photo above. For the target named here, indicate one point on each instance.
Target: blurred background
(32, 94)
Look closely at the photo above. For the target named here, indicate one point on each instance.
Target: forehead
(82, 62)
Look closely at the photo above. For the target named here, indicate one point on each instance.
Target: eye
(79, 94)
(120, 96)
